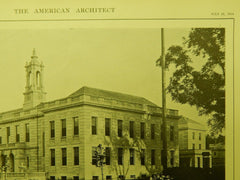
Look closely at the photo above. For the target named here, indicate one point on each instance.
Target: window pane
(171, 133)
(75, 177)
(142, 156)
(131, 132)
(64, 178)
(142, 130)
(108, 155)
(120, 156)
(152, 131)
(95, 178)
(153, 156)
(120, 128)
(172, 158)
(52, 129)
(94, 125)
(8, 134)
(131, 156)
(52, 157)
(76, 155)
(64, 156)
(64, 130)
(17, 134)
(107, 127)
(76, 125)
(94, 155)
(27, 133)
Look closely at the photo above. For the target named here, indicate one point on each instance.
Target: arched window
(38, 78)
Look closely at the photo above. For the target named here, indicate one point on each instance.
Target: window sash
(107, 127)
(131, 132)
(94, 125)
(152, 157)
(152, 131)
(76, 125)
(52, 157)
(120, 156)
(64, 129)
(108, 155)
(64, 156)
(142, 129)
(76, 155)
(120, 128)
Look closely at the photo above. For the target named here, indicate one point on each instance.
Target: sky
(116, 59)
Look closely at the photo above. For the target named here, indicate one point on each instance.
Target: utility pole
(164, 109)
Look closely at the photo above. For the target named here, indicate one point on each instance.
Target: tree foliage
(199, 76)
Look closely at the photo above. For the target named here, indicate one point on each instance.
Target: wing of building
(59, 139)
(192, 144)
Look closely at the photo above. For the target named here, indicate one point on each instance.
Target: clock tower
(34, 91)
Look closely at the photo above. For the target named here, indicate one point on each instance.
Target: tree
(199, 76)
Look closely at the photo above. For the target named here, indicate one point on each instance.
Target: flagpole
(164, 155)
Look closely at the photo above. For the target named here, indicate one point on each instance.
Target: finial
(34, 54)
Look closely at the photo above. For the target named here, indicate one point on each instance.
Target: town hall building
(57, 139)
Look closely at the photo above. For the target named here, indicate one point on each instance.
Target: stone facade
(58, 137)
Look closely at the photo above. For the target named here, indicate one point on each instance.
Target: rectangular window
(142, 130)
(27, 132)
(142, 156)
(193, 146)
(94, 155)
(108, 155)
(0, 139)
(108, 177)
(152, 131)
(52, 151)
(64, 156)
(121, 177)
(17, 134)
(52, 177)
(75, 177)
(198, 162)
(153, 157)
(120, 156)
(63, 177)
(94, 125)
(76, 126)
(107, 127)
(172, 158)
(131, 129)
(64, 128)
(28, 162)
(95, 178)
(200, 146)
(120, 122)
(133, 176)
(193, 135)
(131, 151)
(76, 155)
(52, 129)
(200, 136)
(8, 134)
(171, 133)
